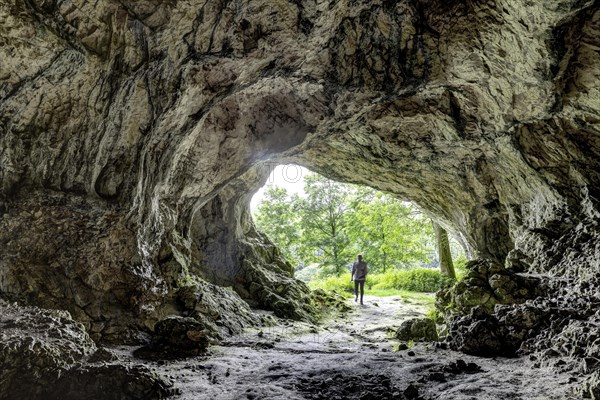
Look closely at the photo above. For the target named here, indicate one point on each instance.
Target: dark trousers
(362, 289)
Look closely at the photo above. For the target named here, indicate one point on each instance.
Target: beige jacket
(359, 271)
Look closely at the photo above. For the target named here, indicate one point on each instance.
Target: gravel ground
(353, 358)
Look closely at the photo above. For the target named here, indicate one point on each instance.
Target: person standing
(359, 276)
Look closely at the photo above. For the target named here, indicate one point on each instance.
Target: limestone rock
(591, 388)
(133, 134)
(219, 309)
(325, 301)
(111, 382)
(36, 343)
(486, 284)
(564, 326)
(103, 355)
(479, 334)
(44, 354)
(177, 336)
(570, 323)
(417, 329)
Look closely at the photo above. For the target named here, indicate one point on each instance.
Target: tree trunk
(443, 250)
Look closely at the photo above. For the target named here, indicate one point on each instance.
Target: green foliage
(306, 273)
(277, 218)
(340, 284)
(187, 280)
(334, 221)
(390, 233)
(415, 280)
(391, 283)
(434, 315)
(324, 220)
(408, 297)
(460, 266)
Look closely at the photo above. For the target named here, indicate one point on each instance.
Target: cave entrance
(320, 225)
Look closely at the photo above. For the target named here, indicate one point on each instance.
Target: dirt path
(354, 359)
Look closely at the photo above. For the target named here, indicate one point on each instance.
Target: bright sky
(288, 176)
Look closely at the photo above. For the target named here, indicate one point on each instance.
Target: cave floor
(354, 358)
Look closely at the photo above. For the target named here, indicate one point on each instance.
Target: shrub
(307, 273)
(340, 283)
(460, 264)
(415, 280)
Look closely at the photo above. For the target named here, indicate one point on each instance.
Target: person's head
(359, 257)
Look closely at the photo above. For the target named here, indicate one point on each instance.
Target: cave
(134, 133)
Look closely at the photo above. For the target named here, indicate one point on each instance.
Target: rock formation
(46, 355)
(133, 134)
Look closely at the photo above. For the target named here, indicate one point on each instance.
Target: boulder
(176, 337)
(44, 354)
(417, 329)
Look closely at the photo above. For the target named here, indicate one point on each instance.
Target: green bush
(460, 264)
(340, 284)
(307, 273)
(414, 280)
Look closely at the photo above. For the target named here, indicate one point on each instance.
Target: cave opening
(131, 139)
(320, 225)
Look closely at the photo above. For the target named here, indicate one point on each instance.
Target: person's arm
(353, 271)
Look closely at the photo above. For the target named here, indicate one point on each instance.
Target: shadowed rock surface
(417, 329)
(133, 134)
(176, 337)
(44, 354)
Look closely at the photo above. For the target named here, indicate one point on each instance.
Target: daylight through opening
(321, 225)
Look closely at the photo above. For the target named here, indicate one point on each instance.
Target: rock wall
(132, 134)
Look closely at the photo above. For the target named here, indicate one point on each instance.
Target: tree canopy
(276, 216)
(332, 222)
(390, 233)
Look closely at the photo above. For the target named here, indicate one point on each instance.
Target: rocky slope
(46, 355)
(133, 133)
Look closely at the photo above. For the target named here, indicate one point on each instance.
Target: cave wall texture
(133, 134)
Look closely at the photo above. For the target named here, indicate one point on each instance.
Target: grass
(403, 283)
(408, 296)
(390, 283)
(340, 284)
(414, 280)
(432, 313)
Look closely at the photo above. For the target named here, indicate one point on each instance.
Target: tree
(443, 250)
(390, 233)
(276, 216)
(324, 220)
(333, 222)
